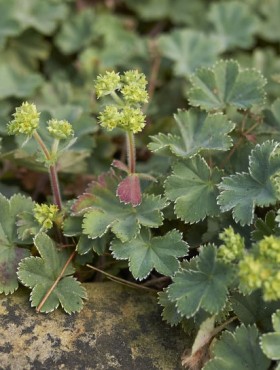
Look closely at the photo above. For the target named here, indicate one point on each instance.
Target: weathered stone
(119, 328)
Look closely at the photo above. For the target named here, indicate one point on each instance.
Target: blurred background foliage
(52, 51)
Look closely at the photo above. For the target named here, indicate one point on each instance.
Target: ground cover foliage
(192, 215)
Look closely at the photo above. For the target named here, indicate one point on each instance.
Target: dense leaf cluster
(199, 212)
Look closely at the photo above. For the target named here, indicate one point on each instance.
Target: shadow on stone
(119, 328)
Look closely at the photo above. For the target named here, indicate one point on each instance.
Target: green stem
(55, 186)
(131, 154)
(52, 171)
(42, 145)
(116, 98)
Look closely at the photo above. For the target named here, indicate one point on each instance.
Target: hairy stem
(49, 292)
(55, 187)
(130, 149)
(42, 145)
(52, 171)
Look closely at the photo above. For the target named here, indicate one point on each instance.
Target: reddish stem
(131, 154)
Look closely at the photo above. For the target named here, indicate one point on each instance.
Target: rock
(119, 328)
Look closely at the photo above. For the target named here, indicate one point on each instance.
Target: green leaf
(146, 253)
(17, 84)
(251, 309)
(86, 245)
(188, 49)
(269, 25)
(9, 25)
(225, 85)
(28, 226)
(270, 342)
(243, 192)
(40, 273)
(10, 253)
(104, 211)
(234, 24)
(193, 188)
(169, 312)
(265, 227)
(238, 350)
(43, 16)
(197, 131)
(205, 286)
(77, 32)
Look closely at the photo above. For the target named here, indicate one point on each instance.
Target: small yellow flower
(26, 120)
(269, 248)
(233, 247)
(110, 117)
(60, 129)
(272, 288)
(45, 214)
(132, 119)
(106, 84)
(252, 272)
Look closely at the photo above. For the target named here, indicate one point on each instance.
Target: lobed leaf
(205, 286)
(225, 85)
(10, 253)
(145, 253)
(169, 312)
(40, 273)
(234, 24)
(242, 192)
(193, 188)
(197, 131)
(188, 49)
(238, 350)
(104, 211)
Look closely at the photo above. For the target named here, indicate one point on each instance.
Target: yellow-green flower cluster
(269, 248)
(107, 84)
(60, 129)
(233, 247)
(262, 270)
(134, 87)
(45, 214)
(125, 113)
(252, 272)
(26, 120)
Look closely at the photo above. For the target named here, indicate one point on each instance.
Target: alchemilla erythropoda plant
(186, 206)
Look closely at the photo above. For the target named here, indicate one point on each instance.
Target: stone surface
(119, 328)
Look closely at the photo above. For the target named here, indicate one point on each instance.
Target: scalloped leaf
(242, 192)
(193, 188)
(205, 286)
(234, 24)
(270, 342)
(129, 191)
(169, 312)
(188, 49)
(146, 253)
(104, 211)
(10, 253)
(40, 273)
(27, 226)
(197, 131)
(238, 350)
(225, 85)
